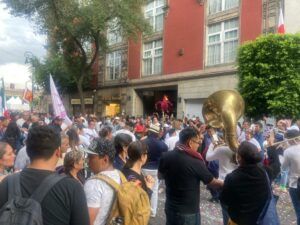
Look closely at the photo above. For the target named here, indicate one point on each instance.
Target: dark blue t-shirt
(156, 148)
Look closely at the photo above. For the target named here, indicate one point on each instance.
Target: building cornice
(190, 75)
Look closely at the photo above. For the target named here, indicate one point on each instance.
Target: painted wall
(134, 59)
(183, 37)
(251, 19)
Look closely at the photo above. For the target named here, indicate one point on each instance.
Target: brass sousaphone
(223, 109)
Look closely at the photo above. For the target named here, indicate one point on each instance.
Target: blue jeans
(296, 202)
(174, 218)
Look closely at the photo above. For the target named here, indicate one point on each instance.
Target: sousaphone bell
(222, 110)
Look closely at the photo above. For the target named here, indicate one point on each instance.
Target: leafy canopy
(72, 26)
(269, 76)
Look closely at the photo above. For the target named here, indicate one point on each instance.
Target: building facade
(190, 54)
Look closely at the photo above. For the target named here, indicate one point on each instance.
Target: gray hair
(71, 158)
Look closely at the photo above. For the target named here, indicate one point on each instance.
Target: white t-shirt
(224, 155)
(84, 140)
(100, 195)
(90, 133)
(255, 142)
(20, 122)
(171, 142)
(291, 162)
(242, 137)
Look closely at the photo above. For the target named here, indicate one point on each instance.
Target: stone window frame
(151, 54)
(222, 41)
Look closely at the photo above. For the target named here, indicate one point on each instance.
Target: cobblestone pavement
(211, 212)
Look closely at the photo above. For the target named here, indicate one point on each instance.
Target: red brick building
(190, 55)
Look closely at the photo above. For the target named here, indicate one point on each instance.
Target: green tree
(74, 26)
(54, 65)
(269, 76)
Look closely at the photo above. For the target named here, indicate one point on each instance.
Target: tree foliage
(269, 76)
(73, 26)
(54, 65)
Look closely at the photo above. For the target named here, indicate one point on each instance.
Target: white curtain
(229, 4)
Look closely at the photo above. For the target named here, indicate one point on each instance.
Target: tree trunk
(81, 95)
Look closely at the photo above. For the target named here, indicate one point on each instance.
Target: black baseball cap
(101, 147)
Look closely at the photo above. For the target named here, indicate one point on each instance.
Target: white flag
(59, 108)
(280, 28)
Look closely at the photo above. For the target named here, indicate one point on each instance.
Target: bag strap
(123, 178)
(113, 184)
(45, 186)
(14, 186)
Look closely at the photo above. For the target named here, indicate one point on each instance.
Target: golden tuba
(222, 109)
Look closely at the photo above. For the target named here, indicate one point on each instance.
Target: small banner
(59, 108)
(27, 96)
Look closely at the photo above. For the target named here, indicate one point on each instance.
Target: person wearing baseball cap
(101, 155)
(156, 148)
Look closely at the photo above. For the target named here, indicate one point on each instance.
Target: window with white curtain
(222, 42)
(216, 6)
(154, 13)
(114, 34)
(113, 65)
(152, 57)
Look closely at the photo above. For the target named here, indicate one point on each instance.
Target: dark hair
(186, 134)
(70, 159)
(259, 124)
(135, 151)
(249, 153)
(105, 131)
(122, 140)
(34, 124)
(91, 120)
(2, 148)
(73, 137)
(80, 126)
(129, 123)
(12, 135)
(171, 131)
(41, 143)
(292, 133)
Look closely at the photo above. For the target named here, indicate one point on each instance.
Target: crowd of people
(110, 170)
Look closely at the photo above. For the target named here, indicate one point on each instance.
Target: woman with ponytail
(137, 157)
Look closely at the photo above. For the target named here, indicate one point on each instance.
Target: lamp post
(28, 60)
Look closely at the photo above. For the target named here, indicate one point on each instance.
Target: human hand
(149, 181)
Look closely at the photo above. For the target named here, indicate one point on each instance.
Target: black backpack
(25, 211)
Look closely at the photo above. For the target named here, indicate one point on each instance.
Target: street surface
(211, 212)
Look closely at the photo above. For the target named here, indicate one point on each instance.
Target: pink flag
(281, 29)
(59, 108)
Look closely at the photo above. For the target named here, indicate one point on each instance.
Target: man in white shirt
(291, 163)
(226, 165)
(172, 140)
(225, 157)
(90, 132)
(99, 194)
(249, 137)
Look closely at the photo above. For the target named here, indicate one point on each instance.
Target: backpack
(131, 205)
(25, 211)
